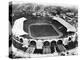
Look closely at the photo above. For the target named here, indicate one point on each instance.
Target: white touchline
(66, 24)
(48, 37)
